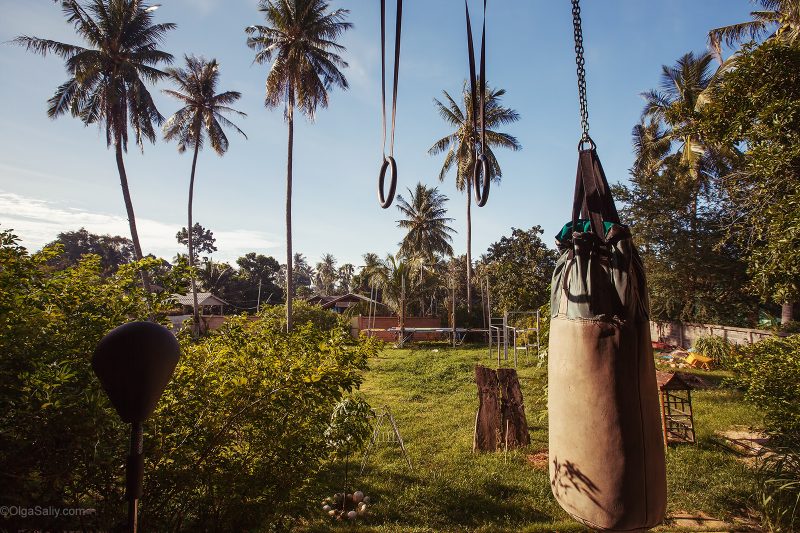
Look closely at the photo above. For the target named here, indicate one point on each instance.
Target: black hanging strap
(593, 200)
(481, 168)
(388, 161)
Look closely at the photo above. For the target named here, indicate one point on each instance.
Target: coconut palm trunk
(126, 194)
(195, 306)
(460, 145)
(787, 313)
(203, 110)
(106, 84)
(289, 285)
(301, 37)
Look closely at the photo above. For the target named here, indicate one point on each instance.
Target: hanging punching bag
(606, 450)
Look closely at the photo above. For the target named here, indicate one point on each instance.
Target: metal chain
(580, 62)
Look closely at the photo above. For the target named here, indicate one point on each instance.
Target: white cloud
(38, 222)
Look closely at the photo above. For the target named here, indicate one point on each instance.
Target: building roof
(204, 299)
(670, 381)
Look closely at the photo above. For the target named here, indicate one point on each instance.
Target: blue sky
(58, 175)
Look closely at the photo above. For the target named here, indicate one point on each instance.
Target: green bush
(790, 328)
(302, 313)
(244, 425)
(236, 439)
(769, 372)
(61, 443)
(779, 488)
(718, 349)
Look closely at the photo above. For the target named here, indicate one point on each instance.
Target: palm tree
(675, 107)
(214, 277)
(106, 84)
(672, 137)
(651, 147)
(460, 148)
(325, 279)
(345, 277)
(302, 274)
(201, 118)
(778, 19)
(428, 234)
(398, 281)
(301, 36)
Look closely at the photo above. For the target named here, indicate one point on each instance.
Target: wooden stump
(512, 410)
(487, 423)
(500, 420)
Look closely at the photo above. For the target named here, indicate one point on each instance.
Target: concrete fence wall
(674, 333)
(685, 334)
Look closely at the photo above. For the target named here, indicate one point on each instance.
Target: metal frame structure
(389, 436)
(501, 332)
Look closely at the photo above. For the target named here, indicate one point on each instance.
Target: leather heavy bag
(606, 450)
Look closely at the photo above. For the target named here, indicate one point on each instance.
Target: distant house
(341, 303)
(205, 300)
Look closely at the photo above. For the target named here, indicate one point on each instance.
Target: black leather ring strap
(478, 97)
(386, 200)
(389, 160)
(481, 170)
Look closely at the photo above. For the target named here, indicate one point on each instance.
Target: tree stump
(487, 423)
(500, 420)
(513, 423)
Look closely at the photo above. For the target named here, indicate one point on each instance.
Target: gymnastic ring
(482, 186)
(386, 201)
(584, 139)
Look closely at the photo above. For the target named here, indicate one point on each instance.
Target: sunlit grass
(432, 394)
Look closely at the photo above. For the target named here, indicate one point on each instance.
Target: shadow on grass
(408, 499)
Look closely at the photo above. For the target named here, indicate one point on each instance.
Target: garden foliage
(768, 371)
(235, 441)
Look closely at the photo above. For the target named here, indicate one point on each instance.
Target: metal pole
(537, 334)
(483, 306)
(402, 310)
(489, 311)
(134, 472)
(514, 331)
(258, 301)
(454, 315)
(372, 297)
(505, 335)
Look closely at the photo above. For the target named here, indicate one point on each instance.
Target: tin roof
(670, 381)
(203, 299)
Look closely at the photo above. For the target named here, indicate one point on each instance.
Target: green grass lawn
(431, 392)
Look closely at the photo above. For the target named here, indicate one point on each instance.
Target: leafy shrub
(350, 425)
(302, 313)
(61, 443)
(769, 371)
(235, 441)
(791, 328)
(779, 488)
(243, 426)
(718, 349)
